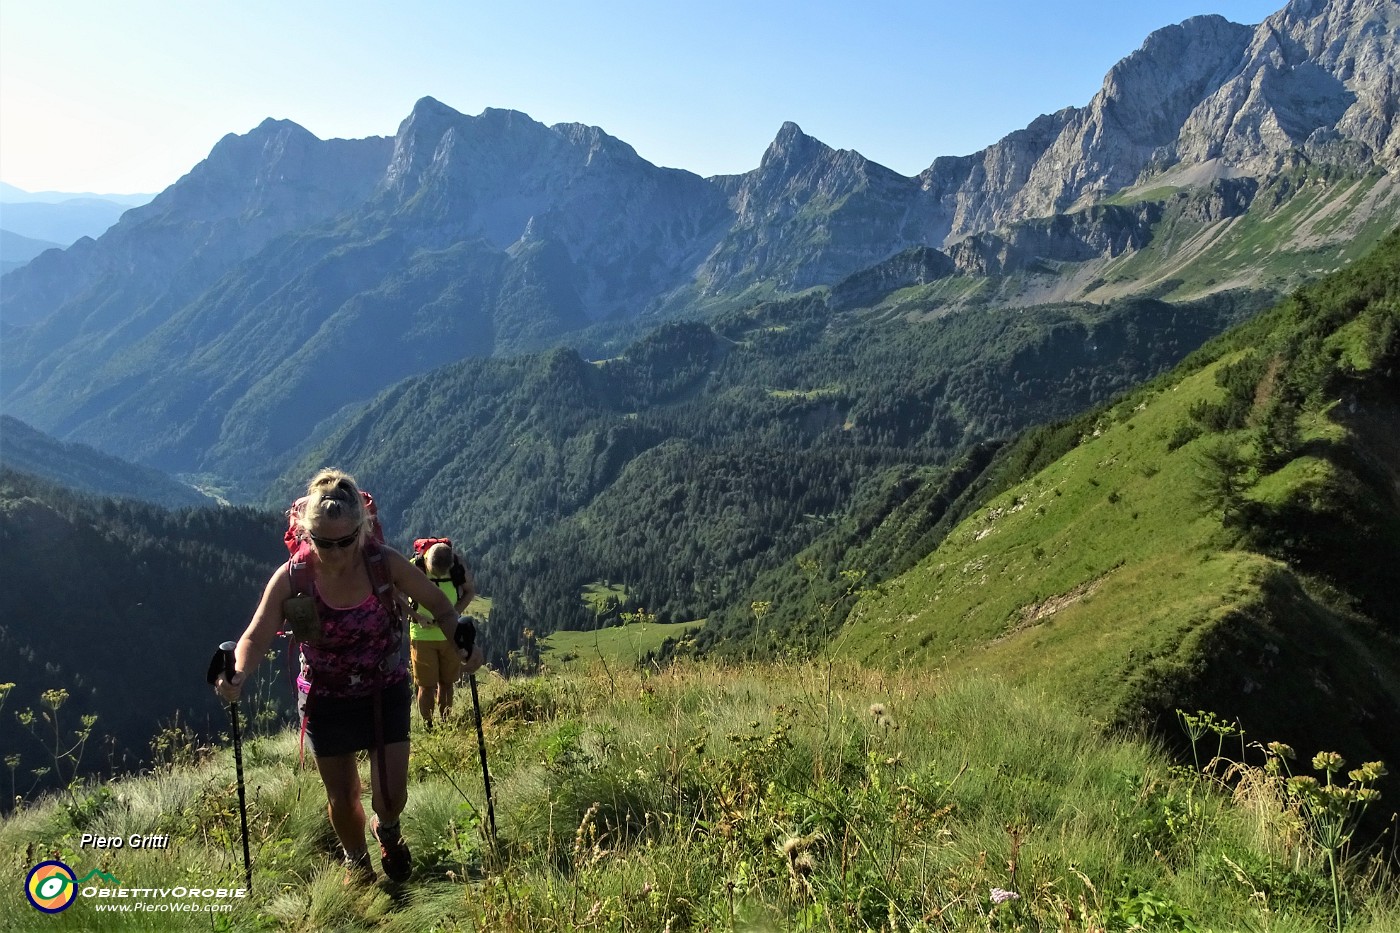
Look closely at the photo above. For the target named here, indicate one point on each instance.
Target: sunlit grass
(751, 796)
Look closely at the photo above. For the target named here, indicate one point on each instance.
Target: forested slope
(705, 455)
(86, 469)
(121, 604)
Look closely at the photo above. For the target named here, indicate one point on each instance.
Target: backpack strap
(382, 581)
(300, 573)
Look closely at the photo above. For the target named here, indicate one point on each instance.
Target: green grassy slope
(618, 646)
(1112, 576)
(706, 797)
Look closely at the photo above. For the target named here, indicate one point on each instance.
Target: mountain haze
(61, 222)
(177, 338)
(16, 250)
(81, 468)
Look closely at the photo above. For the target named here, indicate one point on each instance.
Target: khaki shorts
(435, 662)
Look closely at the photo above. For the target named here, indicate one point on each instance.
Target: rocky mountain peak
(244, 158)
(795, 161)
(416, 145)
(597, 144)
(809, 213)
(1315, 81)
(791, 148)
(1318, 78)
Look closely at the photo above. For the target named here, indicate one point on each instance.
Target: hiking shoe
(394, 856)
(359, 870)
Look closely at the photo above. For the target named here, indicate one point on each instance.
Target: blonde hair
(438, 560)
(333, 494)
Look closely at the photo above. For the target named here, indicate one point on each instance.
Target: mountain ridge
(491, 235)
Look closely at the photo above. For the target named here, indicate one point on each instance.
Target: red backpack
(458, 573)
(421, 545)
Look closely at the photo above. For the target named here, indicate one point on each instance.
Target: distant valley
(32, 222)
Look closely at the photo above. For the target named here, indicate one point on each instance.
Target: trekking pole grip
(226, 650)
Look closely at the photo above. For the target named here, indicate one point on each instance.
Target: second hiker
(436, 662)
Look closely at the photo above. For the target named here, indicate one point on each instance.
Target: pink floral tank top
(358, 651)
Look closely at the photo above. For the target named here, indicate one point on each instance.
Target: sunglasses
(333, 543)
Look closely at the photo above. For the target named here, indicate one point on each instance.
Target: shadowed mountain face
(286, 277)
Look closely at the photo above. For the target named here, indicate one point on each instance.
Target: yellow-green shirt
(422, 627)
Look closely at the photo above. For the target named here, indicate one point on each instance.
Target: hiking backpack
(458, 573)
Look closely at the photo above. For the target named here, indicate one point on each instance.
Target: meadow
(764, 796)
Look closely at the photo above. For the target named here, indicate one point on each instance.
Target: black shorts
(336, 726)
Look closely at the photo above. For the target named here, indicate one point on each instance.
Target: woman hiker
(353, 689)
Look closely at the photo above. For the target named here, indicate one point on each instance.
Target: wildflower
(586, 832)
(1338, 793)
(1302, 784)
(1283, 750)
(795, 846)
(1001, 896)
(1330, 762)
(1369, 772)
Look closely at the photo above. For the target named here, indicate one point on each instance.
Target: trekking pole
(485, 772)
(222, 663)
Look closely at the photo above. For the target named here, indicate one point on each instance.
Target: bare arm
(415, 584)
(467, 593)
(256, 638)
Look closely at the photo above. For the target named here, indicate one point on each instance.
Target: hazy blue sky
(127, 95)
